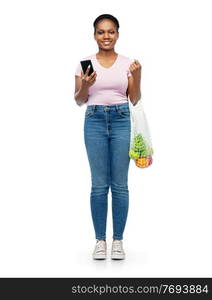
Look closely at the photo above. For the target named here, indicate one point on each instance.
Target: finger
(82, 75)
(93, 78)
(137, 62)
(93, 74)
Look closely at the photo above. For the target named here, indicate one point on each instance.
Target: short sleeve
(78, 70)
(130, 61)
(129, 73)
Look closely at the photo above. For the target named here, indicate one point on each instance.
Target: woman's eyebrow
(103, 29)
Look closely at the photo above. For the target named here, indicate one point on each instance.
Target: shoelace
(117, 246)
(100, 247)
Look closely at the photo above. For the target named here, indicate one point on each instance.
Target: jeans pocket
(124, 112)
(89, 113)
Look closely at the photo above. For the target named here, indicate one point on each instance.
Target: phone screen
(85, 64)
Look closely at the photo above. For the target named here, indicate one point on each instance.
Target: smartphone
(85, 64)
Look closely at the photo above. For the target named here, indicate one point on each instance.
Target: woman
(107, 130)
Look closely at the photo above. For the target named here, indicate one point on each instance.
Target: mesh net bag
(141, 150)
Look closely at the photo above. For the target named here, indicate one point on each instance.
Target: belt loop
(94, 107)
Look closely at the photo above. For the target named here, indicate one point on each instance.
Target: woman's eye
(102, 32)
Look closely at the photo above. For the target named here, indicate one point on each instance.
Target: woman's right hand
(88, 81)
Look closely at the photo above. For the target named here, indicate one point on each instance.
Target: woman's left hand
(135, 68)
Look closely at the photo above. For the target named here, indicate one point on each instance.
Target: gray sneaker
(100, 251)
(117, 251)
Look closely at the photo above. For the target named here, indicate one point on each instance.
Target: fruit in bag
(133, 154)
(143, 162)
(141, 152)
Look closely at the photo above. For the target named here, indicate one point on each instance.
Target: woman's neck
(106, 54)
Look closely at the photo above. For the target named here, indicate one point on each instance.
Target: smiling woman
(107, 129)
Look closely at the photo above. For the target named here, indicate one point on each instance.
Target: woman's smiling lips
(106, 42)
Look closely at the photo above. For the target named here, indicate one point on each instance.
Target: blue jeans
(107, 141)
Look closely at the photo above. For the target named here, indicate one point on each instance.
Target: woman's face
(106, 34)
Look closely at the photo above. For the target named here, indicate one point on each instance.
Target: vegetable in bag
(141, 150)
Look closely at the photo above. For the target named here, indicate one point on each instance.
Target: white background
(46, 228)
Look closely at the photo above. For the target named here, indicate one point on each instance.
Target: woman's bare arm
(134, 90)
(134, 82)
(82, 84)
(80, 94)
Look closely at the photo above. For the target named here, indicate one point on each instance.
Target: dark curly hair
(106, 16)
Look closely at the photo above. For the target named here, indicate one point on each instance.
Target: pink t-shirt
(111, 83)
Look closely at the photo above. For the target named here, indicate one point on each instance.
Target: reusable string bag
(141, 150)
